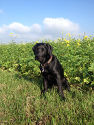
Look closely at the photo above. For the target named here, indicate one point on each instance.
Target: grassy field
(21, 103)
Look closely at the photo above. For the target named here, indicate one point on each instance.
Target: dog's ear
(49, 48)
(34, 47)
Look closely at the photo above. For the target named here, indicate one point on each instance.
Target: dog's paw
(43, 92)
(62, 98)
(69, 90)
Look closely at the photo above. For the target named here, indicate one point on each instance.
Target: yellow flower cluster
(85, 37)
(67, 42)
(37, 42)
(78, 42)
(59, 39)
(68, 35)
(11, 34)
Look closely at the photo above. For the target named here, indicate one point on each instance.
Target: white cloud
(55, 25)
(51, 28)
(3, 29)
(36, 28)
(18, 27)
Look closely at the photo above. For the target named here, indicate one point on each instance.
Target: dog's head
(42, 52)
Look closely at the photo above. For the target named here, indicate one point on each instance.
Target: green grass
(21, 103)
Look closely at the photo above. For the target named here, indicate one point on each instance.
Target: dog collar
(49, 60)
(43, 65)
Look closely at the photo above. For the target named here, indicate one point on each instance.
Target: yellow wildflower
(86, 80)
(79, 40)
(67, 41)
(78, 44)
(55, 41)
(59, 39)
(64, 39)
(37, 41)
(85, 37)
(11, 34)
(69, 35)
(77, 78)
(68, 44)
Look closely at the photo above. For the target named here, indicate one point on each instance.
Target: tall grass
(21, 103)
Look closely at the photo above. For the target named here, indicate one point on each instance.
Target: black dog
(51, 69)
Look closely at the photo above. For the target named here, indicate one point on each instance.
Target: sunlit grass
(21, 103)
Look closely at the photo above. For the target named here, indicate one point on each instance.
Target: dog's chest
(46, 72)
(44, 69)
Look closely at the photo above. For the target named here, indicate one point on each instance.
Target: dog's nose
(36, 57)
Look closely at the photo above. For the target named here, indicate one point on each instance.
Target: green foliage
(76, 56)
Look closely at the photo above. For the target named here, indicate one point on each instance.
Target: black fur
(53, 73)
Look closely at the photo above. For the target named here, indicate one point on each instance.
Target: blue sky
(38, 19)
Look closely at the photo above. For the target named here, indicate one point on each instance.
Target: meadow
(21, 102)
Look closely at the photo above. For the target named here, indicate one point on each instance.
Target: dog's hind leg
(59, 83)
(66, 84)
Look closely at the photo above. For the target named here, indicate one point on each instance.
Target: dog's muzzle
(39, 58)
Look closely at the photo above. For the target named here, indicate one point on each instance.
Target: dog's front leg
(45, 82)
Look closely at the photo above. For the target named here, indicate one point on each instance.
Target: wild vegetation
(20, 85)
(76, 56)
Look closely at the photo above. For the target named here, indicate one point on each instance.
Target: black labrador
(51, 69)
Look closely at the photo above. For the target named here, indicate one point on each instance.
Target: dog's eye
(40, 50)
